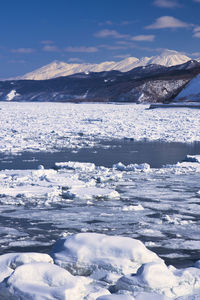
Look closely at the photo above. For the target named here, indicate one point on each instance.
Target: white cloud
(197, 1)
(166, 3)
(23, 50)
(144, 38)
(197, 28)
(197, 34)
(110, 33)
(81, 49)
(167, 22)
(50, 48)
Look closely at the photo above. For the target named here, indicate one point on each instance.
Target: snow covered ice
(50, 127)
(34, 276)
(78, 230)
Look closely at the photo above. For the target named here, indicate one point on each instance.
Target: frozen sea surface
(117, 187)
(52, 126)
(158, 206)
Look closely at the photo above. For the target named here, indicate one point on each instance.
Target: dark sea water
(37, 228)
(106, 154)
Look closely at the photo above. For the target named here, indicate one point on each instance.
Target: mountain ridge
(57, 69)
(149, 84)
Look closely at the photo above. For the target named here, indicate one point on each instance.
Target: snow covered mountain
(152, 84)
(56, 69)
(191, 92)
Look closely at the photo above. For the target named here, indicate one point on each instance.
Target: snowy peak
(169, 58)
(57, 69)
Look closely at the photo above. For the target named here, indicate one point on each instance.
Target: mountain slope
(153, 83)
(191, 92)
(56, 69)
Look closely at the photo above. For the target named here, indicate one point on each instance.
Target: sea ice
(53, 126)
(89, 193)
(157, 277)
(73, 165)
(85, 253)
(10, 261)
(43, 281)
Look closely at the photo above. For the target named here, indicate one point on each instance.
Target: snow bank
(9, 262)
(157, 277)
(191, 92)
(85, 253)
(43, 281)
(135, 272)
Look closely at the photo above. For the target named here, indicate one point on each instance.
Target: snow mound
(85, 253)
(157, 277)
(43, 281)
(9, 262)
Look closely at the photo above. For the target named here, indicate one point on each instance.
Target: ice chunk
(153, 275)
(74, 165)
(192, 158)
(133, 208)
(132, 167)
(85, 253)
(157, 277)
(43, 281)
(88, 193)
(9, 262)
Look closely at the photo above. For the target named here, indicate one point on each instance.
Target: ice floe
(50, 126)
(88, 252)
(82, 265)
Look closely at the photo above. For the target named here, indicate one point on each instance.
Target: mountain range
(152, 83)
(57, 69)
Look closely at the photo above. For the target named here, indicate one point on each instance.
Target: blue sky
(36, 32)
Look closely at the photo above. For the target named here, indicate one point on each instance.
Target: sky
(36, 32)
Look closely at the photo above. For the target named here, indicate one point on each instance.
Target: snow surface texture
(56, 69)
(50, 127)
(191, 92)
(35, 276)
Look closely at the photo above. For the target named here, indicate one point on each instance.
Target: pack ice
(88, 264)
